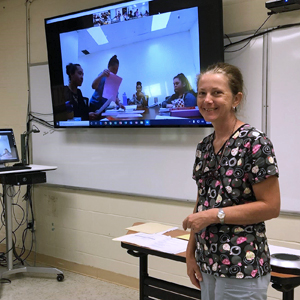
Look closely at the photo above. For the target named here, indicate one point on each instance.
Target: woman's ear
(237, 99)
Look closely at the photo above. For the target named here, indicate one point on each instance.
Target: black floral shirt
(226, 179)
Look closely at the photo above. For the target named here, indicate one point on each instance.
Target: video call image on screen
(8, 152)
(151, 50)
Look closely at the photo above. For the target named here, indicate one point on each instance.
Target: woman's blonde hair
(234, 75)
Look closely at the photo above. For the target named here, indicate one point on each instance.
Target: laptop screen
(8, 147)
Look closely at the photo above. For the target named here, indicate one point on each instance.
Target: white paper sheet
(157, 242)
(277, 249)
(128, 116)
(158, 117)
(151, 227)
(111, 86)
(113, 112)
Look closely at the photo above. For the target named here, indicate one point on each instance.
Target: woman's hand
(105, 72)
(198, 221)
(96, 82)
(119, 103)
(193, 271)
(93, 116)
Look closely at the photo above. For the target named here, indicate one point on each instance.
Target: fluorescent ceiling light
(98, 35)
(160, 21)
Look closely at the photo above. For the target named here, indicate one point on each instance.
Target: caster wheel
(60, 277)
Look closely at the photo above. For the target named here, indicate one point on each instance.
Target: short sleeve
(262, 161)
(197, 167)
(195, 164)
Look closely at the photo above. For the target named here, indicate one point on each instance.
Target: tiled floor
(74, 287)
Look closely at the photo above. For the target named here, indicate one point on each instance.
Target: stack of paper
(152, 228)
(151, 235)
(155, 241)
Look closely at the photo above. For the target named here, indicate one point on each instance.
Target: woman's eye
(217, 93)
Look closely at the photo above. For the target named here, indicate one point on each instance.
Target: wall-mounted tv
(133, 63)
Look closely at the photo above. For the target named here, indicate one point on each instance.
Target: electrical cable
(26, 215)
(249, 38)
(257, 34)
(5, 280)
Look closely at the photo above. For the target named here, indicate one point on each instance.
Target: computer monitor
(8, 147)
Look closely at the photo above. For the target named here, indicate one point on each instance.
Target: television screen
(8, 147)
(132, 64)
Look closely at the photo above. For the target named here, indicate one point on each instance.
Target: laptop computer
(9, 151)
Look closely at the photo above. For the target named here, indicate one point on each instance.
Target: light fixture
(160, 21)
(98, 35)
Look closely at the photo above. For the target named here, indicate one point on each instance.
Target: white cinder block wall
(78, 226)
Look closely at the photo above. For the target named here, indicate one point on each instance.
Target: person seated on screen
(130, 15)
(184, 95)
(75, 104)
(5, 154)
(139, 98)
(98, 103)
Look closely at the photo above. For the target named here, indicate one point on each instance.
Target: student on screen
(98, 103)
(139, 98)
(76, 106)
(5, 154)
(184, 95)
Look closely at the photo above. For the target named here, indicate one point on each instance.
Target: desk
(150, 113)
(160, 289)
(21, 177)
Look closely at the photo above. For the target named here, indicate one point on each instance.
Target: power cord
(26, 219)
(249, 38)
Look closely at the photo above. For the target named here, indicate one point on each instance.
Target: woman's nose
(208, 98)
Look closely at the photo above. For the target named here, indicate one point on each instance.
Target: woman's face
(138, 89)
(215, 99)
(114, 69)
(77, 77)
(178, 85)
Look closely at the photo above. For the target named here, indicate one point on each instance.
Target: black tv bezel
(210, 15)
(12, 144)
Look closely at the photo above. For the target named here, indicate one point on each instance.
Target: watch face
(221, 214)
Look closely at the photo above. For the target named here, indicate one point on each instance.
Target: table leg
(143, 273)
(288, 295)
(8, 225)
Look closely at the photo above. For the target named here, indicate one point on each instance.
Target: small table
(21, 177)
(161, 289)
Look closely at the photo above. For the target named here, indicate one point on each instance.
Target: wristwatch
(221, 216)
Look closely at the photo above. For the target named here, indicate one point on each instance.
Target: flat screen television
(8, 147)
(161, 46)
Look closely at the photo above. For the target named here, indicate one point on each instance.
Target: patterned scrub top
(235, 251)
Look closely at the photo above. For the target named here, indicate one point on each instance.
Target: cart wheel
(60, 277)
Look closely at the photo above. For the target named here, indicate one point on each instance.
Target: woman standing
(237, 178)
(98, 103)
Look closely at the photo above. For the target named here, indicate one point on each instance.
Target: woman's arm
(167, 101)
(96, 82)
(190, 100)
(193, 270)
(266, 207)
(99, 111)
